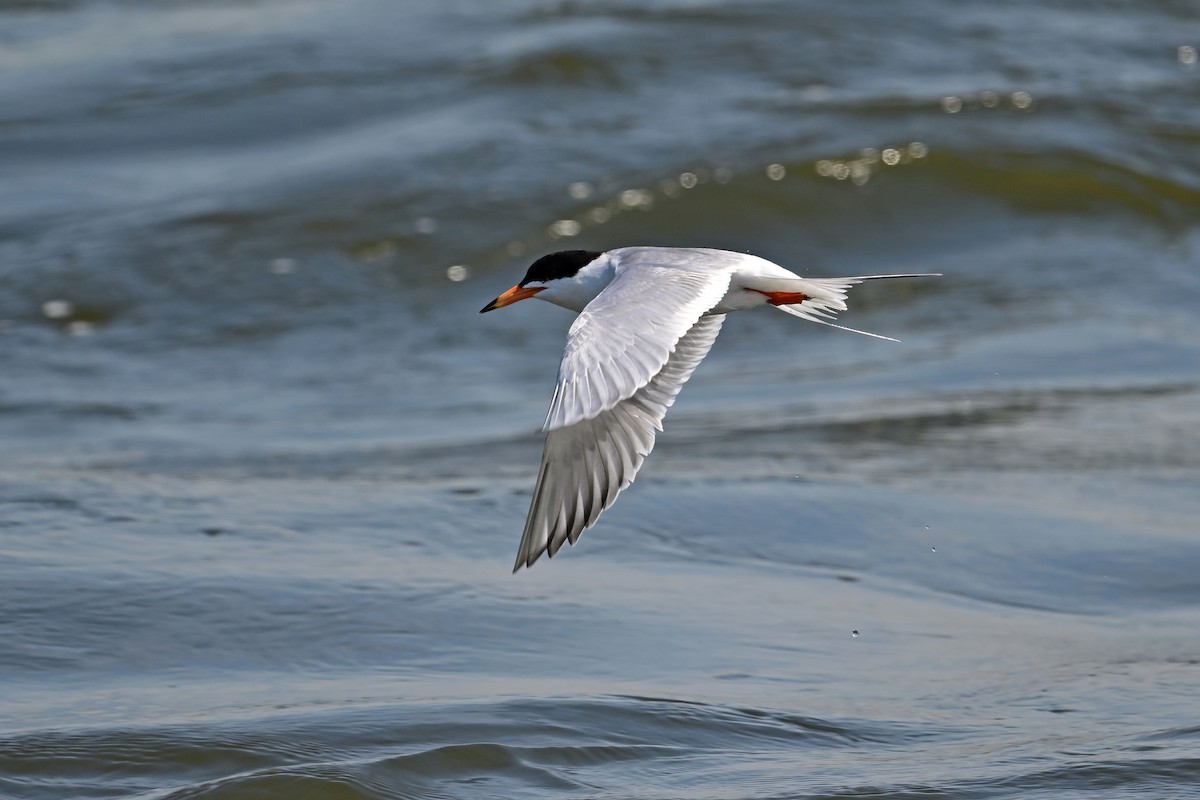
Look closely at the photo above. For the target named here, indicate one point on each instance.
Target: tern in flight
(647, 316)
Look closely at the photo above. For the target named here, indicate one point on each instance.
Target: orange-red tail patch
(783, 298)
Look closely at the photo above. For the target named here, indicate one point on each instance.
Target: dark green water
(263, 468)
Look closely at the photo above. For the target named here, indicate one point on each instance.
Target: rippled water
(265, 468)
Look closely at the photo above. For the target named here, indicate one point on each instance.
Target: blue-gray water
(263, 468)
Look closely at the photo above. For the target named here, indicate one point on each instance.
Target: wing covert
(625, 336)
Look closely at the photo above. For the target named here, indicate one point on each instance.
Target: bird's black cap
(562, 264)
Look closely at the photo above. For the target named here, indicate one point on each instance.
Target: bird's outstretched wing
(586, 464)
(624, 337)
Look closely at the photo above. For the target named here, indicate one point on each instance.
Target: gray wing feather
(586, 465)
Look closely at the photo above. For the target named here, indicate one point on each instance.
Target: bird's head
(555, 278)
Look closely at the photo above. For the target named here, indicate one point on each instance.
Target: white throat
(582, 287)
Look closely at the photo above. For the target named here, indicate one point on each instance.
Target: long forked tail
(820, 299)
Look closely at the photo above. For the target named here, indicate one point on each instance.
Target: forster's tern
(647, 317)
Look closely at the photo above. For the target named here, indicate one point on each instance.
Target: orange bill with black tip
(511, 296)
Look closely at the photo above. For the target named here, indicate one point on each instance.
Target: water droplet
(825, 168)
(776, 172)
(81, 328)
(458, 272)
(952, 104)
(840, 171)
(891, 156)
(600, 215)
(565, 227)
(860, 173)
(688, 180)
(669, 188)
(933, 549)
(854, 633)
(58, 309)
(918, 150)
(425, 225)
(636, 198)
(989, 99)
(580, 190)
(926, 527)
(1186, 54)
(1022, 100)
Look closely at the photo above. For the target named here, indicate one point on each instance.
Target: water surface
(265, 468)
